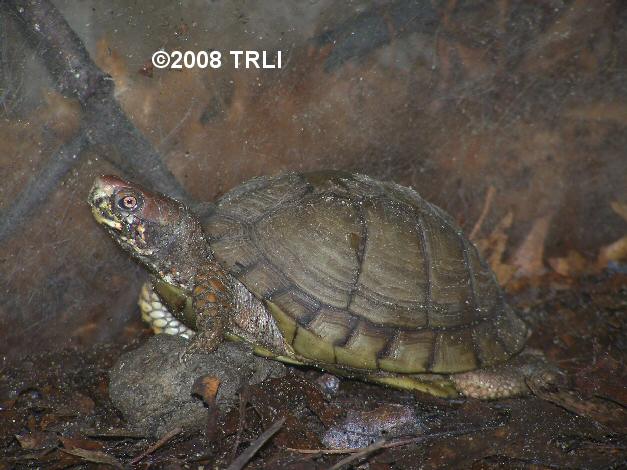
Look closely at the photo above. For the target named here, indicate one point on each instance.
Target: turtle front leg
(211, 301)
(155, 312)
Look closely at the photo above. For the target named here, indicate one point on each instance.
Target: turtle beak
(100, 200)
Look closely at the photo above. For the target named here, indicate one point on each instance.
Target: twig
(103, 123)
(365, 451)
(489, 197)
(157, 445)
(248, 454)
(243, 401)
(94, 456)
(397, 443)
(40, 185)
(375, 27)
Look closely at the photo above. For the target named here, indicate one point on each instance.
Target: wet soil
(55, 410)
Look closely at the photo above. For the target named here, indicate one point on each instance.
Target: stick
(243, 401)
(248, 454)
(363, 452)
(484, 212)
(103, 123)
(390, 444)
(157, 445)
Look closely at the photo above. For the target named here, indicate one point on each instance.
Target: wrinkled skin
(162, 235)
(155, 230)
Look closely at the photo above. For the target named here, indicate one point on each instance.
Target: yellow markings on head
(104, 221)
(141, 230)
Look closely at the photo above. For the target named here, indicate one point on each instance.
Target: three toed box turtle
(352, 275)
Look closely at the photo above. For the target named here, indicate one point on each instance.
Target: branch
(104, 123)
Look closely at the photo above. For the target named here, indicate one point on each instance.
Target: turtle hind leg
(156, 314)
(509, 379)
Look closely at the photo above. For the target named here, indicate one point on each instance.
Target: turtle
(358, 277)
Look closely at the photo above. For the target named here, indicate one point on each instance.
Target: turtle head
(156, 230)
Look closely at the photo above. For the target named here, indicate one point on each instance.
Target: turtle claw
(183, 355)
(202, 343)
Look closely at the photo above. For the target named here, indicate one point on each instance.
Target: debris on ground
(55, 410)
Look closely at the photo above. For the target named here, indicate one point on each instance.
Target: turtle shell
(364, 274)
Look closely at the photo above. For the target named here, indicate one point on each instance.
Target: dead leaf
(620, 208)
(80, 443)
(528, 258)
(206, 387)
(602, 411)
(94, 456)
(37, 440)
(616, 251)
(573, 264)
(493, 247)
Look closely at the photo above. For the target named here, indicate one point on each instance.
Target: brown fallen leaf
(573, 264)
(167, 437)
(37, 440)
(528, 258)
(207, 387)
(605, 412)
(493, 248)
(620, 208)
(94, 456)
(615, 251)
(484, 212)
(77, 442)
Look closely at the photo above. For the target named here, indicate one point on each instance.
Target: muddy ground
(55, 411)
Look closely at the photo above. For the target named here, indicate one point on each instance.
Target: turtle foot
(520, 376)
(156, 314)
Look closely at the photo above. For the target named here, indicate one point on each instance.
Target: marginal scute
(362, 348)
(285, 322)
(490, 350)
(333, 326)
(310, 345)
(409, 352)
(454, 352)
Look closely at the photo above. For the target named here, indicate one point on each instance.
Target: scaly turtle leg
(509, 379)
(155, 312)
(211, 302)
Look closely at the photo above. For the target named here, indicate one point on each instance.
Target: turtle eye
(128, 202)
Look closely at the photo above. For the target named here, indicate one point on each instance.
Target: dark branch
(61, 50)
(41, 185)
(103, 123)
